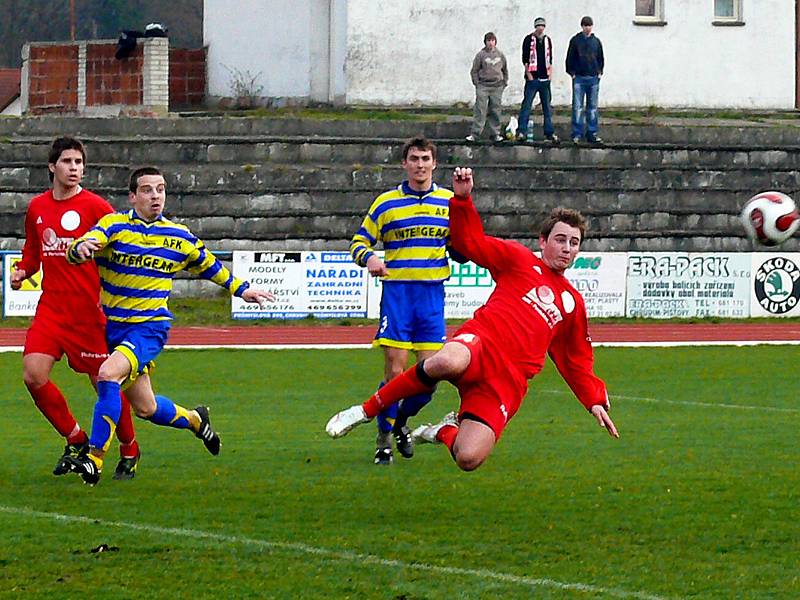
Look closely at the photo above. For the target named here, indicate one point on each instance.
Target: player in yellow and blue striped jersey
(412, 223)
(138, 253)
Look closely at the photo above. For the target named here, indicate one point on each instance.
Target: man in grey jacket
(489, 76)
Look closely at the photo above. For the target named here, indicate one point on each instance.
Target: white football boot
(426, 434)
(342, 422)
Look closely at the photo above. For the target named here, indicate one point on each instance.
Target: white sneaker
(342, 422)
(426, 434)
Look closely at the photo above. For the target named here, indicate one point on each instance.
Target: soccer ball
(770, 218)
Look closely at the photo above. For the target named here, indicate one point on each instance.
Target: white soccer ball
(770, 218)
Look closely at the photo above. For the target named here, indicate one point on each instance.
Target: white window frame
(736, 19)
(657, 18)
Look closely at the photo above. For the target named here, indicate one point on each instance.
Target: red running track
(363, 334)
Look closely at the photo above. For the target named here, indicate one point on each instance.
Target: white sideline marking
(688, 402)
(338, 555)
(697, 343)
(369, 346)
(242, 347)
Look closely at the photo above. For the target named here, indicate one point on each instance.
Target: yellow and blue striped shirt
(415, 230)
(139, 260)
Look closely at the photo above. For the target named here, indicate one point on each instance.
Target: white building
(666, 53)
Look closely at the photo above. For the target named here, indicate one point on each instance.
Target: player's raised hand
(17, 277)
(259, 296)
(462, 181)
(376, 267)
(604, 420)
(86, 249)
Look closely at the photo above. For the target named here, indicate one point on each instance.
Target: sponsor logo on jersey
(542, 299)
(52, 245)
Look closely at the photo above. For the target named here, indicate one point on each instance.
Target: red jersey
(532, 311)
(50, 227)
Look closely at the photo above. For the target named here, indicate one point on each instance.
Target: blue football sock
(170, 414)
(412, 405)
(107, 410)
(385, 420)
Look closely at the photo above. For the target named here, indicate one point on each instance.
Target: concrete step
(128, 151)
(437, 127)
(269, 177)
(256, 150)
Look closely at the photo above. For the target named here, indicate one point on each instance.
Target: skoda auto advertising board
(775, 285)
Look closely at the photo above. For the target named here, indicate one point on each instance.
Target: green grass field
(698, 499)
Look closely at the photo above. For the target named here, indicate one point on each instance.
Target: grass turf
(697, 499)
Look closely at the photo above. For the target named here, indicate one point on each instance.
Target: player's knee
(34, 378)
(469, 459)
(144, 412)
(392, 371)
(107, 373)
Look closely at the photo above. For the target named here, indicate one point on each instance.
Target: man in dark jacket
(585, 65)
(537, 58)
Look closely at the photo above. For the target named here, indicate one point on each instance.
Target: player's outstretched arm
(259, 296)
(84, 250)
(604, 420)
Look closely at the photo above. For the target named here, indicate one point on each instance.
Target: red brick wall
(187, 77)
(53, 79)
(111, 81)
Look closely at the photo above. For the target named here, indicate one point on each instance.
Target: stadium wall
(419, 53)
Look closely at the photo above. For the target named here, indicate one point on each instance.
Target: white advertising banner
(600, 278)
(663, 285)
(322, 284)
(21, 302)
(775, 284)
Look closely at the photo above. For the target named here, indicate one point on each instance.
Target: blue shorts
(412, 315)
(139, 342)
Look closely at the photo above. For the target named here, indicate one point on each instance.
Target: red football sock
(447, 435)
(128, 446)
(52, 404)
(404, 385)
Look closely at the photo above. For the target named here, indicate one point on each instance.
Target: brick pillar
(155, 76)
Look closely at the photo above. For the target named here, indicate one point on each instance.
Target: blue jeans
(532, 87)
(589, 88)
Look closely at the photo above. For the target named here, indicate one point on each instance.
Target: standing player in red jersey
(532, 312)
(68, 318)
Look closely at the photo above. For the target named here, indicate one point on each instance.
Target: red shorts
(491, 389)
(79, 335)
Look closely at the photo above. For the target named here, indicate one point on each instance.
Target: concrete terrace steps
(637, 129)
(243, 183)
(287, 178)
(292, 150)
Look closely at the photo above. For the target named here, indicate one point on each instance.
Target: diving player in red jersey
(68, 317)
(533, 311)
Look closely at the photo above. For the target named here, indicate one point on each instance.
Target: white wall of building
(14, 109)
(418, 52)
(285, 44)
